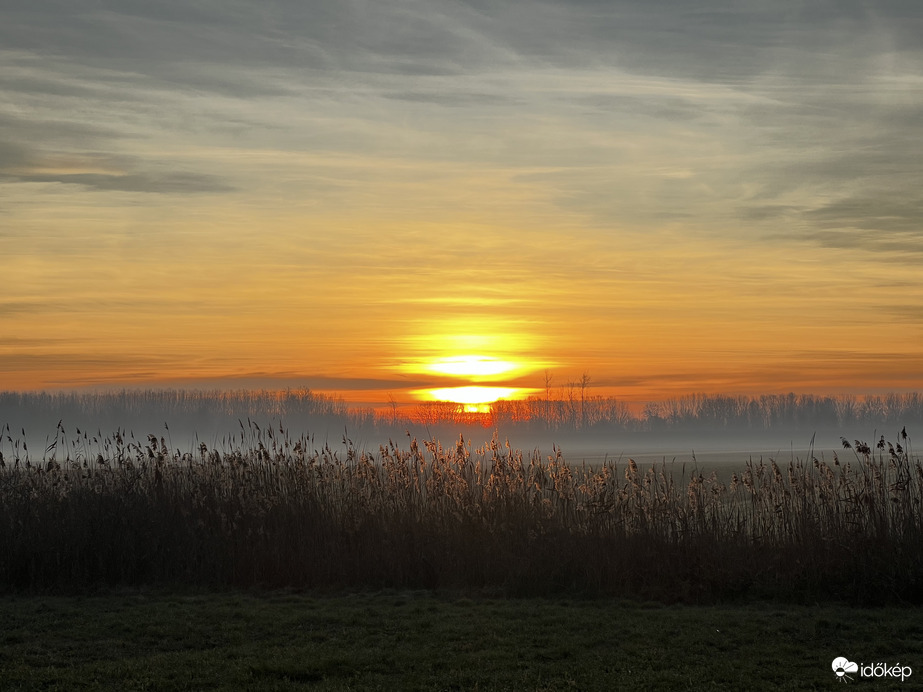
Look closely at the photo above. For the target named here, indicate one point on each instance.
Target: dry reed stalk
(266, 510)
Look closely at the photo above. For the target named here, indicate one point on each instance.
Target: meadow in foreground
(147, 639)
(267, 512)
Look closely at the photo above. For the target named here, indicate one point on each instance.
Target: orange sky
(215, 202)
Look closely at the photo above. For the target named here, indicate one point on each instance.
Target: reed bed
(270, 510)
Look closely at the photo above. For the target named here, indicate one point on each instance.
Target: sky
(378, 198)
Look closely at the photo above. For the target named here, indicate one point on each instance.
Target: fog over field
(710, 431)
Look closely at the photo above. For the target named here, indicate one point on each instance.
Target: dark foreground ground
(152, 640)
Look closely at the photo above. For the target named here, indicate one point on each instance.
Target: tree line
(569, 409)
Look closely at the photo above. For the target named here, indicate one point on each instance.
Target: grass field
(411, 640)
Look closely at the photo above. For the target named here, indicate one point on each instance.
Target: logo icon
(842, 666)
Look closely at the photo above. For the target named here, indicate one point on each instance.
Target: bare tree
(393, 404)
(584, 383)
(547, 407)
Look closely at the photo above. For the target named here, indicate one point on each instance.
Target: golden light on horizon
(477, 408)
(473, 395)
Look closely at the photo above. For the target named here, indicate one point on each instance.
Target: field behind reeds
(268, 510)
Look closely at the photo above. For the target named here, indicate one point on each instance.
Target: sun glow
(477, 408)
(473, 395)
(481, 351)
(471, 366)
(470, 362)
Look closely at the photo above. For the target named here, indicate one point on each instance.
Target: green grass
(393, 640)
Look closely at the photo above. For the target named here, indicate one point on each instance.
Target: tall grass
(271, 510)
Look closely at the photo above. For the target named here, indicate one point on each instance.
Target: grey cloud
(29, 147)
(20, 306)
(19, 164)
(708, 41)
(29, 144)
(456, 99)
(162, 39)
(704, 41)
(47, 130)
(12, 155)
(47, 86)
(873, 364)
(872, 241)
(769, 212)
(169, 183)
(16, 361)
(184, 44)
(659, 106)
(866, 166)
(911, 314)
(877, 188)
(894, 216)
(794, 76)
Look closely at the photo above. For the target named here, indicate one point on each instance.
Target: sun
(472, 395)
(481, 380)
(474, 368)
